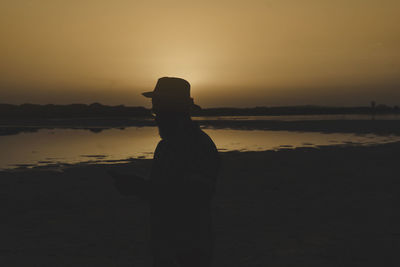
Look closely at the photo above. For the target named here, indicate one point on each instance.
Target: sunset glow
(234, 53)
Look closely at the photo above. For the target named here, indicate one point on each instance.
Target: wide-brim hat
(171, 93)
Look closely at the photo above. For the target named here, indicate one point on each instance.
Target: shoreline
(379, 127)
(97, 160)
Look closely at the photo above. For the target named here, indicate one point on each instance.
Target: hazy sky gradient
(234, 53)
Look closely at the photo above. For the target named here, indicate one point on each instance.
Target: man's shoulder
(206, 141)
(206, 148)
(207, 160)
(159, 148)
(199, 144)
(161, 143)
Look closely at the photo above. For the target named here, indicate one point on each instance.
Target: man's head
(171, 95)
(171, 103)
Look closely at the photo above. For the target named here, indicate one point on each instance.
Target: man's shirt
(193, 159)
(183, 181)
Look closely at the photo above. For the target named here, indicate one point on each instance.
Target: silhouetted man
(182, 181)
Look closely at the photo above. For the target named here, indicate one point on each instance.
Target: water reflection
(46, 146)
(326, 117)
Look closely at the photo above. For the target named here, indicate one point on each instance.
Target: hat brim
(148, 94)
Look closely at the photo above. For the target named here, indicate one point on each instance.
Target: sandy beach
(327, 206)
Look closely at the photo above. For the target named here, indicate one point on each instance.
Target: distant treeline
(70, 111)
(8, 111)
(299, 110)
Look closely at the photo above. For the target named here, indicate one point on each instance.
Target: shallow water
(60, 146)
(326, 117)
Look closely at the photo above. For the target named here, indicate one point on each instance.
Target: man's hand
(112, 173)
(129, 185)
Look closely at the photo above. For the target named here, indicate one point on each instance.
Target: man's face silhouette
(170, 117)
(167, 125)
(166, 122)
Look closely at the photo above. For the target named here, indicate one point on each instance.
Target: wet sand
(331, 206)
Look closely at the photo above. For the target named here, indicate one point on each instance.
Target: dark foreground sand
(333, 206)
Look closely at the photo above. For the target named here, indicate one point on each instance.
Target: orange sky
(234, 53)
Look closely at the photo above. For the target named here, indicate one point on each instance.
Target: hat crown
(171, 94)
(172, 87)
